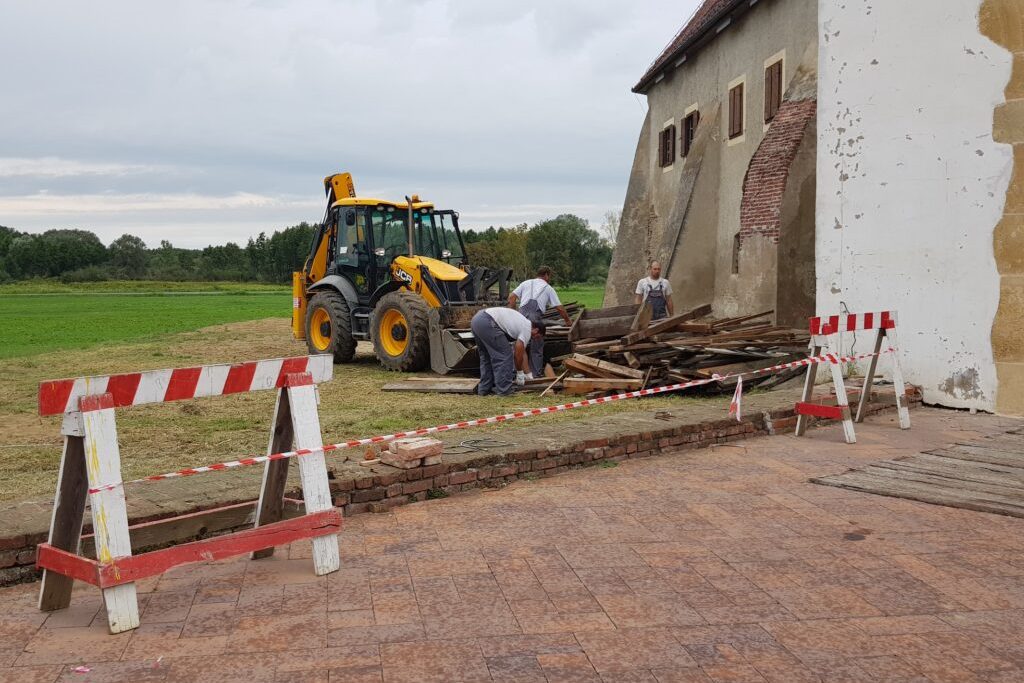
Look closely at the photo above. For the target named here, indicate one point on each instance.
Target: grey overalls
(659, 304)
(536, 351)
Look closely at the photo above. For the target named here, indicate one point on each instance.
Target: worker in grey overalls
(533, 298)
(657, 291)
(502, 336)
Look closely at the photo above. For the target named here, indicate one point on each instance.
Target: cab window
(351, 238)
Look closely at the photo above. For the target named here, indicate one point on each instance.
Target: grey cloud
(475, 104)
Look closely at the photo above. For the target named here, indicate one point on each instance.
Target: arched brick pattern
(768, 171)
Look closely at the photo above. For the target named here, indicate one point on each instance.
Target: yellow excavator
(396, 274)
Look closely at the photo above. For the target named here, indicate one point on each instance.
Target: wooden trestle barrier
(821, 329)
(91, 470)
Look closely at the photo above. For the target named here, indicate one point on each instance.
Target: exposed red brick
(768, 172)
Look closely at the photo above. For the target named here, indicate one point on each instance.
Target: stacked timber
(620, 349)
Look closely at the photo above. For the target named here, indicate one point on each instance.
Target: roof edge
(655, 71)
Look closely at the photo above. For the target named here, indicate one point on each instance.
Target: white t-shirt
(512, 323)
(645, 285)
(537, 290)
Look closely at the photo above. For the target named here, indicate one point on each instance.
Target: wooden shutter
(772, 90)
(736, 111)
(667, 146)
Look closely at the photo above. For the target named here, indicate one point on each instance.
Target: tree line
(565, 243)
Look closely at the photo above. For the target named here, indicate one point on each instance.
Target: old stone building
(888, 175)
(722, 186)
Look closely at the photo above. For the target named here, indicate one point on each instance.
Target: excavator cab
(395, 274)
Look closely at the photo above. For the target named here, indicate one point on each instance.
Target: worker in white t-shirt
(502, 337)
(533, 298)
(657, 291)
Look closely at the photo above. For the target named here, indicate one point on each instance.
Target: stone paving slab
(725, 565)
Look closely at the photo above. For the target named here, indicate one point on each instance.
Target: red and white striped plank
(852, 322)
(121, 571)
(157, 386)
(829, 358)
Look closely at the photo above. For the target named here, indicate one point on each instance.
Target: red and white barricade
(824, 328)
(91, 468)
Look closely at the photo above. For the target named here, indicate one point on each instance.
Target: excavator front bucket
(451, 350)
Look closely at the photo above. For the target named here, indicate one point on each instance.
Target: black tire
(341, 344)
(415, 355)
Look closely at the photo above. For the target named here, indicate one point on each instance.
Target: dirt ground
(171, 436)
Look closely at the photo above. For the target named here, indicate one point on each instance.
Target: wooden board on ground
(971, 476)
(435, 385)
(578, 385)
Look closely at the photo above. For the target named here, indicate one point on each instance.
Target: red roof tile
(705, 16)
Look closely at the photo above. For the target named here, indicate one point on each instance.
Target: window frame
(688, 130)
(779, 60)
(733, 135)
(667, 145)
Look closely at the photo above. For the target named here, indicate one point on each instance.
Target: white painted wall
(911, 184)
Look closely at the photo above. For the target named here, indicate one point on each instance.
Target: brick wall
(768, 171)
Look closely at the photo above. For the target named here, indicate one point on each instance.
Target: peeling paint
(965, 384)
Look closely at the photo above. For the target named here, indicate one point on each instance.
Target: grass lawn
(95, 334)
(591, 296)
(34, 324)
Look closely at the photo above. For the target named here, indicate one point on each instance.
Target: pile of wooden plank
(620, 349)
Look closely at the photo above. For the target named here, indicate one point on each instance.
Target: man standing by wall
(533, 298)
(502, 336)
(656, 290)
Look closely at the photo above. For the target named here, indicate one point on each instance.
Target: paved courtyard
(721, 564)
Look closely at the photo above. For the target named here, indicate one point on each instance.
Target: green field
(34, 324)
(43, 316)
(591, 296)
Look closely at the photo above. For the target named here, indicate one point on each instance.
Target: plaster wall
(911, 184)
(770, 28)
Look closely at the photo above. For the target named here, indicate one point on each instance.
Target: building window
(736, 111)
(736, 244)
(667, 146)
(772, 90)
(689, 131)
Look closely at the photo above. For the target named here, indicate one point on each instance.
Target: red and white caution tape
(356, 443)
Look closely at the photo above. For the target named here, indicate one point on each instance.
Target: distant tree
(610, 226)
(72, 249)
(166, 263)
(7, 236)
(287, 251)
(226, 262)
(28, 256)
(566, 244)
(128, 256)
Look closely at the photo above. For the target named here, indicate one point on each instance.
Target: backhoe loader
(396, 274)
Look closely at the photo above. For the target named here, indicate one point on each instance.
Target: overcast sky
(207, 122)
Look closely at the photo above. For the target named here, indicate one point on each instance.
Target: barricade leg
(109, 512)
(869, 379)
(843, 402)
(312, 467)
(812, 374)
(275, 473)
(66, 521)
(902, 409)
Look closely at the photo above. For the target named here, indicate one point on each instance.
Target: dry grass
(171, 436)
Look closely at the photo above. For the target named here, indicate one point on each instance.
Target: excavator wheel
(401, 331)
(329, 326)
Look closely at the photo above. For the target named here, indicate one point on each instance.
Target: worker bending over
(502, 336)
(533, 298)
(656, 290)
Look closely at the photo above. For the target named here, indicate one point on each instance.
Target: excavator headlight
(445, 253)
(379, 251)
